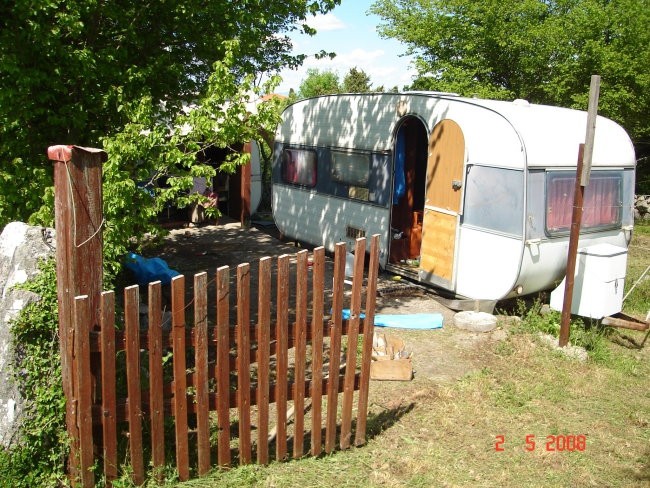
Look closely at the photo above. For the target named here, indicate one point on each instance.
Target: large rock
(21, 247)
(642, 207)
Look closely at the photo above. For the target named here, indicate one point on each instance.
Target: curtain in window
(601, 206)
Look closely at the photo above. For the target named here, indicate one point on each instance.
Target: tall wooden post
(78, 224)
(574, 237)
(245, 190)
(583, 172)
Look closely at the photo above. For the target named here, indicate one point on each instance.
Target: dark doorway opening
(408, 201)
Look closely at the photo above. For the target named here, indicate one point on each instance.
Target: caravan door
(442, 203)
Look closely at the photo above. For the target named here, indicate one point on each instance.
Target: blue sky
(352, 34)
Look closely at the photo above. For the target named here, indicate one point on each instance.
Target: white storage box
(599, 282)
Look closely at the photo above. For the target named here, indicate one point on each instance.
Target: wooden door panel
(445, 165)
(442, 203)
(438, 244)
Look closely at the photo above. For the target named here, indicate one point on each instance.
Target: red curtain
(601, 206)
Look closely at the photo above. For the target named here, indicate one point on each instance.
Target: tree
(147, 152)
(74, 72)
(541, 50)
(319, 83)
(356, 81)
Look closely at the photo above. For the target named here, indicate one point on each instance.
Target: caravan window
(299, 167)
(351, 168)
(602, 201)
(494, 199)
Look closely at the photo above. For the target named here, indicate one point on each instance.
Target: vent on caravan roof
(354, 233)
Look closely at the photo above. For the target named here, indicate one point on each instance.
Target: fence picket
(368, 331)
(82, 320)
(201, 362)
(353, 338)
(263, 360)
(180, 381)
(132, 334)
(282, 355)
(335, 347)
(300, 353)
(109, 423)
(223, 365)
(318, 287)
(254, 345)
(156, 405)
(243, 362)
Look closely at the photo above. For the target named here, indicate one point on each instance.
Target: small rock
(575, 352)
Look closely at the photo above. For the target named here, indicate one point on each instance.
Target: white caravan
(473, 196)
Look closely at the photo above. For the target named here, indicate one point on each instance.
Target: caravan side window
(602, 207)
(351, 168)
(494, 199)
(299, 167)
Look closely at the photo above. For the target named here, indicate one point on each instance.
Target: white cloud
(382, 71)
(326, 22)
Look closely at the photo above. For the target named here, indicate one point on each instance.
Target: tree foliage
(319, 83)
(356, 81)
(75, 72)
(541, 50)
(152, 165)
(327, 82)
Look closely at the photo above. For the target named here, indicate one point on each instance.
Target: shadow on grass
(376, 424)
(629, 342)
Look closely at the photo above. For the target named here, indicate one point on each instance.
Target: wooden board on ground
(392, 370)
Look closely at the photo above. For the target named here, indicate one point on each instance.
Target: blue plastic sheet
(422, 321)
(410, 321)
(347, 313)
(147, 270)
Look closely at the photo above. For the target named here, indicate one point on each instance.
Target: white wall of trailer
(508, 135)
(323, 219)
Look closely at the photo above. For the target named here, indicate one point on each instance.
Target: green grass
(426, 433)
(638, 302)
(448, 436)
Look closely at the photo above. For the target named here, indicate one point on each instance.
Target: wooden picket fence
(126, 396)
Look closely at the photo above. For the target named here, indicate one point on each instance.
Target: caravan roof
(500, 131)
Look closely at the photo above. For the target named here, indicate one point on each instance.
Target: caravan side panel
(489, 264)
(322, 219)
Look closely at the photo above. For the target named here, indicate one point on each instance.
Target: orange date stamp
(552, 443)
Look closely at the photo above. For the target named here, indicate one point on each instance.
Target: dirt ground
(441, 355)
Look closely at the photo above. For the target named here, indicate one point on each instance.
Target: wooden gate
(175, 385)
(225, 372)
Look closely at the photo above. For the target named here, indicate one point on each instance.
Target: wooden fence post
(245, 188)
(78, 224)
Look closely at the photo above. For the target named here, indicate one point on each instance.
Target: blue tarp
(404, 321)
(410, 321)
(147, 270)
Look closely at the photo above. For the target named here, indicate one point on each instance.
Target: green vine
(39, 458)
